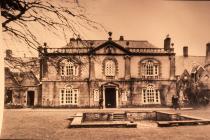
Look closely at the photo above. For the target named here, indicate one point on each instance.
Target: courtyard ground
(50, 124)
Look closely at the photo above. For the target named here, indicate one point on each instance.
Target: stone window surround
(77, 72)
(156, 62)
(72, 98)
(104, 65)
(152, 93)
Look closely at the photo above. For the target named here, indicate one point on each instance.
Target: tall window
(110, 68)
(150, 95)
(150, 69)
(69, 69)
(69, 96)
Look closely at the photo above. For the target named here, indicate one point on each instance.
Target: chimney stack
(45, 44)
(167, 43)
(72, 39)
(121, 38)
(185, 51)
(208, 52)
(8, 53)
(78, 38)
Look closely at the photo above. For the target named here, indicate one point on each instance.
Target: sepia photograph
(105, 70)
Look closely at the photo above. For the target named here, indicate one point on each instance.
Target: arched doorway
(110, 95)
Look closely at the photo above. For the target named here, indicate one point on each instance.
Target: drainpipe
(89, 62)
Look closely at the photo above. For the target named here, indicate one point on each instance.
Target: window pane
(109, 68)
(149, 69)
(69, 96)
(151, 95)
(62, 70)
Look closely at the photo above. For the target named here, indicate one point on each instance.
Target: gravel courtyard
(51, 124)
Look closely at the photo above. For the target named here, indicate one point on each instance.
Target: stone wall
(51, 92)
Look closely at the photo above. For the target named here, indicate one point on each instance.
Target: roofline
(130, 53)
(113, 40)
(109, 42)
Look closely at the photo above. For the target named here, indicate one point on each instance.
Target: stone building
(22, 87)
(195, 69)
(124, 73)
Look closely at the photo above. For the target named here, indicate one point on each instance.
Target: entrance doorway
(110, 97)
(30, 98)
(8, 97)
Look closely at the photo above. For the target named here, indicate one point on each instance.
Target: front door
(110, 97)
(30, 98)
(8, 96)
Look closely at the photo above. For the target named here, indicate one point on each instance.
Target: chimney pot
(167, 43)
(121, 38)
(8, 53)
(72, 39)
(45, 44)
(185, 51)
(208, 52)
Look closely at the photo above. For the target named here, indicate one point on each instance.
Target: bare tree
(20, 15)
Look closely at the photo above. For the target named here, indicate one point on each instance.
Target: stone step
(119, 116)
(186, 122)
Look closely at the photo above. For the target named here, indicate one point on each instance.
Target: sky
(187, 23)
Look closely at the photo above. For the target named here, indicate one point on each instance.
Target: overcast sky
(187, 22)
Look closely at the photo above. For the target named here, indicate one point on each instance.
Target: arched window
(150, 69)
(69, 96)
(110, 68)
(68, 68)
(150, 95)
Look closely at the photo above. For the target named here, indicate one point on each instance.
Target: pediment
(110, 47)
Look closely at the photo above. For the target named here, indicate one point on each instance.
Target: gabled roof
(197, 68)
(110, 43)
(122, 43)
(22, 64)
(188, 63)
(9, 75)
(21, 79)
(26, 78)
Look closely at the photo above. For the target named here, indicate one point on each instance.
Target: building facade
(22, 87)
(124, 73)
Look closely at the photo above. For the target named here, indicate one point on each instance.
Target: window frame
(110, 68)
(69, 69)
(149, 68)
(69, 96)
(150, 95)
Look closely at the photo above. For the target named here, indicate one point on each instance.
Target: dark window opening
(30, 98)
(8, 98)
